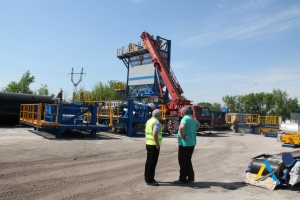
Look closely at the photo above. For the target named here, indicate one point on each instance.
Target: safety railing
(119, 86)
(39, 115)
(132, 47)
(111, 110)
(253, 119)
(31, 113)
(230, 117)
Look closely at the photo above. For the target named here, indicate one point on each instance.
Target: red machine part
(162, 65)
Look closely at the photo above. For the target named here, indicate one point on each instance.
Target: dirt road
(39, 166)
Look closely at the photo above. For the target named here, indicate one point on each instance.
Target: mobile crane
(173, 114)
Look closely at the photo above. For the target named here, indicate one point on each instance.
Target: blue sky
(219, 47)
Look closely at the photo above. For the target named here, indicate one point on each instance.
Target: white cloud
(249, 26)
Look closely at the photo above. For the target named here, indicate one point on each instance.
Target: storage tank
(10, 105)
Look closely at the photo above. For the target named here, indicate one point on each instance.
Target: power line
(75, 84)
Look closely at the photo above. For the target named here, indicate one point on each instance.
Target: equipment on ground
(268, 126)
(291, 138)
(269, 171)
(61, 117)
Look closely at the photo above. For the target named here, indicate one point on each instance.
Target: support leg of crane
(93, 133)
(58, 134)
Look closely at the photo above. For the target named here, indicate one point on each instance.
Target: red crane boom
(162, 65)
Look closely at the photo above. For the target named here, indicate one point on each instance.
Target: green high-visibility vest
(149, 132)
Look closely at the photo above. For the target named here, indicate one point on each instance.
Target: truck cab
(203, 115)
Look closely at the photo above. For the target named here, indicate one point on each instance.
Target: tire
(173, 126)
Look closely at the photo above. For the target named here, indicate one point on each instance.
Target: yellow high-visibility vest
(149, 132)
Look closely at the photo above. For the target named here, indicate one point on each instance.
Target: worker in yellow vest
(153, 135)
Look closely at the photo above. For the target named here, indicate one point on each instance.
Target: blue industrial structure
(61, 117)
(143, 82)
(143, 79)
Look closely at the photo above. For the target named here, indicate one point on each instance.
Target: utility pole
(75, 84)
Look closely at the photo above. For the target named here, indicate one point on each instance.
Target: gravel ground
(36, 165)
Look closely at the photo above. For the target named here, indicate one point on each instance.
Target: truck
(173, 108)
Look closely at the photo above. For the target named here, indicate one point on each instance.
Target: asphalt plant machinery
(142, 90)
(169, 80)
(61, 117)
(150, 76)
(269, 171)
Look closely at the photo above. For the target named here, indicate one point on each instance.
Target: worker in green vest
(153, 135)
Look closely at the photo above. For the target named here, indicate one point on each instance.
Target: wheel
(173, 126)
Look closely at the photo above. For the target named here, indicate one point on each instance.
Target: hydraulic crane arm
(162, 65)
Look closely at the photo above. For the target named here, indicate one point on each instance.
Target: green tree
(253, 103)
(204, 104)
(22, 86)
(283, 105)
(277, 103)
(183, 97)
(231, 102)
(105, 91)
(43, 90)
(212, 107)
(215, 107)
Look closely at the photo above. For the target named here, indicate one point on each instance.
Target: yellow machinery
(292, 138)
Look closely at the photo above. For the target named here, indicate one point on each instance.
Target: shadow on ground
(211, 135)
(294, 188)
(203, 185)
(73, 135)
(227, 186)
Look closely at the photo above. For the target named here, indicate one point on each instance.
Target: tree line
(277, 103)
(100, 91)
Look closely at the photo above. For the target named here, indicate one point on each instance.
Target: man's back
(190, 130)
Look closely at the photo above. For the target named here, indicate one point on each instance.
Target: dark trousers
(185, 162)
(152, 157)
